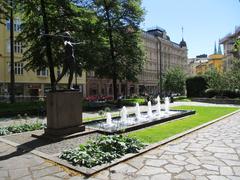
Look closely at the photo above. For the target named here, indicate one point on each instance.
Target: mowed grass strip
(203, 115)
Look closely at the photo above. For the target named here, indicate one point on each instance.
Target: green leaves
(21, 128)
(174, 80)
(4, 11)
(102, 150)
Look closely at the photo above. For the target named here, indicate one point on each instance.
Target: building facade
(228, 42)
(161, 54)
(27, 83)
(194, 62)
(214, 61)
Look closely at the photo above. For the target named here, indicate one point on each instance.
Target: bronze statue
(69, 63)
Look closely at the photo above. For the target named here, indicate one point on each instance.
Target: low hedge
(132, 102)
(210, 93)
(31, 108)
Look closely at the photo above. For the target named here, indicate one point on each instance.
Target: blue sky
(204, 21)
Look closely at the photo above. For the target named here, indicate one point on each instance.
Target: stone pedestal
(64, 113)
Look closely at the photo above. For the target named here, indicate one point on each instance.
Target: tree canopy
(174, 80)
(4, 11)
(121, 56)
(43, 25)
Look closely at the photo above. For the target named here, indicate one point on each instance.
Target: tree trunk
(12, 73)
(115, 93)
(110, 37)
(48, 45)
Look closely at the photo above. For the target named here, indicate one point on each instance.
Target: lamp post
(160, 64)
(12, 73)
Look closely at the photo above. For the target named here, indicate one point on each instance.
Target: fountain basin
(134, 124)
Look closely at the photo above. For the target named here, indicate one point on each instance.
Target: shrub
(21, 128)
(196, 86)
(210, 93)
(132, 102)
(30, 108)
(102, 150)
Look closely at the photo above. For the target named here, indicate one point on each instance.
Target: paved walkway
(210, 153)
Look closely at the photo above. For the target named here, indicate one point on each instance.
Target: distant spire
(215, 48)
(219, 49)
(182, 32)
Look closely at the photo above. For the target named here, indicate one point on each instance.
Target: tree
(4, 11)
(236, 49)
(43, 24)
(121, 56)
(216, 80)
(233, 76)
(174, 80)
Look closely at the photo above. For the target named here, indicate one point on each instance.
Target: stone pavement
(210, 153)
(26, 166)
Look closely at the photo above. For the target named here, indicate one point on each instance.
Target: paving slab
(210, 153)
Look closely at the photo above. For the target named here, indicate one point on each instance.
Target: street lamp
(12, 73)
(159, 50)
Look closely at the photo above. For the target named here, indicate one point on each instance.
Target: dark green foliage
(31, 108)
(21, 128)
(4, 11)
(103, 149)
(61, 16)
(236, 49)
(132, 102)
(210, 93)
(196, 86)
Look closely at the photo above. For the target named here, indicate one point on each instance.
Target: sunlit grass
(203, 114)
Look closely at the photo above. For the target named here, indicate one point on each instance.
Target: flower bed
(103, 149)
(21, 128)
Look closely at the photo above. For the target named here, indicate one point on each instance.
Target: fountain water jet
(109, 119)
(149, 113)
(159, 107)
(124, 114)
(166, 102)
(137, 111)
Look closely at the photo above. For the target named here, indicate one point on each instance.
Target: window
(43, 72)
(16, 26)
(18, 47)
(18, 68)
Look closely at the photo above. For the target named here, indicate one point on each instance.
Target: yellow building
(28, 83)
(201, 68)
(215, 61)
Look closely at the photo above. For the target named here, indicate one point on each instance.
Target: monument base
(64, 114)
(63, 131)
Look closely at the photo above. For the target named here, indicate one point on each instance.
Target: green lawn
(160, 132)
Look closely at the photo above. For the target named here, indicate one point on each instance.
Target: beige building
(228, 42)
(28, 83)
(194, 62)
(161, 54)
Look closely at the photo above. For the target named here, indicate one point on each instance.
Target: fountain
(137, 120)
(123, 114)
(149, 113)
(109, 119)
(137, 112)
(159, 107)
(166, 102)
